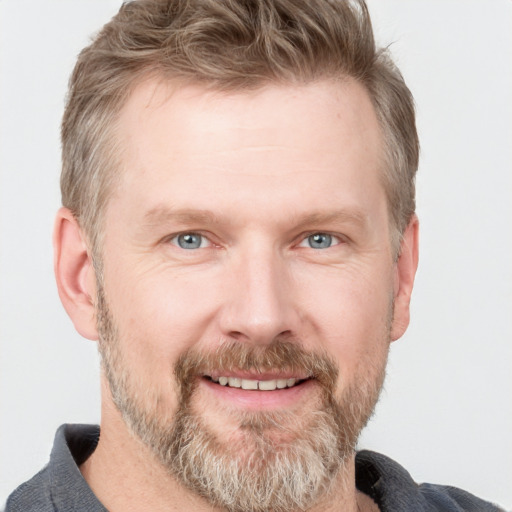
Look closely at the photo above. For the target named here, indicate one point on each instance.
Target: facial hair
(277, 462)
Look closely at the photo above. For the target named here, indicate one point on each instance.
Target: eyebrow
(163, 215)
(352, 216)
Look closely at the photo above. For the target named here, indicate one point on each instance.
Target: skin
(270, 167)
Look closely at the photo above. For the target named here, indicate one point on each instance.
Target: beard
(277, 460)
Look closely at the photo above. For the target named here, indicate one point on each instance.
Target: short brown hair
(228, 45)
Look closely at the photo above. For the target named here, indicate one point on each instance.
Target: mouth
(255, 391)
(256, 384)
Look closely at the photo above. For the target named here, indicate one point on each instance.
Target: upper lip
(257, 376)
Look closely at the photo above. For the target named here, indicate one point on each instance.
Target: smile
(250, 384)
(259, 392)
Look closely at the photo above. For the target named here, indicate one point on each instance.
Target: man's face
(248, 241)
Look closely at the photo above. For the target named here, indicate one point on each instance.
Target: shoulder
(393, 489)
(445, 497)
(60, 486)
(34, 495)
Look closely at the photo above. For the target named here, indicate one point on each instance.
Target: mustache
(281, 355)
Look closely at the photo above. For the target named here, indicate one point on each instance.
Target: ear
(405, 270)
(74, 272)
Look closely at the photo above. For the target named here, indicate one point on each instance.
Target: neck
(126, 476)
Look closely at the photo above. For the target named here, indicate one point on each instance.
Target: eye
(190, 241)
(320, 241)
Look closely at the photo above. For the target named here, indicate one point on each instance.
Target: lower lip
(260, 400)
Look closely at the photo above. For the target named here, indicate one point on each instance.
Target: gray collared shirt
(60, 487)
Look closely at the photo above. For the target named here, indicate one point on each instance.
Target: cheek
(349, 314)
(159, 317)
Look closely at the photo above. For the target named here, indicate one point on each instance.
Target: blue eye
(320, 240)
(189, 241)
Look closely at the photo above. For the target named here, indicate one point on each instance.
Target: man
(239, 235)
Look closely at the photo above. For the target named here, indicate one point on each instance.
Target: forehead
(336, 111)
(278, 140)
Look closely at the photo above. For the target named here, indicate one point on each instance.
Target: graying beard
(270, 477)
(265, 478)
(254, 474)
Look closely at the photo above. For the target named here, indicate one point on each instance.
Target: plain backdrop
(446, 411)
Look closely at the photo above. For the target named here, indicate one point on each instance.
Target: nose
(259, 305)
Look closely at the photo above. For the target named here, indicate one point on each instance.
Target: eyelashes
(320, 240)
(192, 240)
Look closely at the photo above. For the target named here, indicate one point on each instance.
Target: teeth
(249, 384)
(263, 385)
(267, 385)
(234, 382)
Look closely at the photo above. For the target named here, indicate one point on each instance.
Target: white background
(446, 412)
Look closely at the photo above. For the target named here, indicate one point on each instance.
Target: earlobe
(405, 272)
(74, 273)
